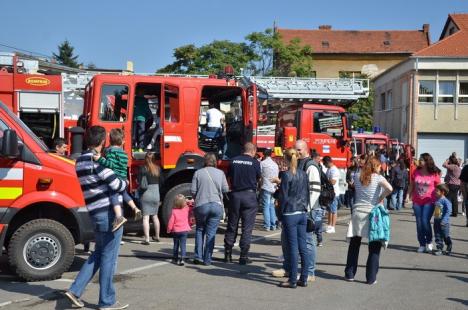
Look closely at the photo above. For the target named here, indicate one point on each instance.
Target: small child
(442, 211)
(117, 160)
(179, 226)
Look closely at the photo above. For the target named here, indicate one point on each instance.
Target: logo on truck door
(37, 81)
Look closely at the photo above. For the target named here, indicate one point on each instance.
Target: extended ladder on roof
(337, 91)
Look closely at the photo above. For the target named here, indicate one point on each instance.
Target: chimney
(426, 28)
(325, 27)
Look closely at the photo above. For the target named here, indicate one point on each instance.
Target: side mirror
(10, 144)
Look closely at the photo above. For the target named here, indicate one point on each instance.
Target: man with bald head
(244, 173)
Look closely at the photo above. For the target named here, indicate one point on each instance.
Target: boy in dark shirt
(117, 160)
(442, 211)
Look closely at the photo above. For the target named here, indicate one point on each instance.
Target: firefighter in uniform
(244, 173)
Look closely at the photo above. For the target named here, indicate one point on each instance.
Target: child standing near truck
(117, 160)
(179, 226)
(442, 211)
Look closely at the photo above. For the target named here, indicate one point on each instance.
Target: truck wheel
(41, 250)
(183, 189)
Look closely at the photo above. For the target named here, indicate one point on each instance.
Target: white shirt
(214, 117)
(334, 174)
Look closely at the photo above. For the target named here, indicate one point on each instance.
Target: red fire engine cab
(312, 110)
(177, 132)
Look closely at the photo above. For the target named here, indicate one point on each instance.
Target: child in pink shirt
(179, 226)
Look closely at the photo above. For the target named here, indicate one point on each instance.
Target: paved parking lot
(147, 280)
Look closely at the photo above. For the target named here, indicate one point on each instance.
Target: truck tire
(183, 189)
(41, 250)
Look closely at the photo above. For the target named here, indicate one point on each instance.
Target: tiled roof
(455, 45)
(359, 42)
(461, 20)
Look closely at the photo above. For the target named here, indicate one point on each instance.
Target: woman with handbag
(293, 201)
(149, 179)
(371, 188)
(208, 186)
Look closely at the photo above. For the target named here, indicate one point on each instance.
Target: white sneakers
(426, 249)
(330, 230)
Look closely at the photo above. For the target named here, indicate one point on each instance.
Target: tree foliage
(65, 55)
(263, 53)
(364, 108)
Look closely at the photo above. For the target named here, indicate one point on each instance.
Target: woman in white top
(371, 189)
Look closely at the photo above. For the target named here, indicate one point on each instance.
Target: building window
(426, 91)
(446, 91)
(463, 92)
(382, 102)
(389, 100)
(351, 75)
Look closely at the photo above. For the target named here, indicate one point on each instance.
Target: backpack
(327, 192)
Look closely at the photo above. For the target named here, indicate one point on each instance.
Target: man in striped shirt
(96, 184)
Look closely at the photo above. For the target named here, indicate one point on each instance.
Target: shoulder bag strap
(214, 184)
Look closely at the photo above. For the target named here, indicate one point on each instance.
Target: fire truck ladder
(338, 91)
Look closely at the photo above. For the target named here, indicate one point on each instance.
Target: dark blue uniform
(244, 171)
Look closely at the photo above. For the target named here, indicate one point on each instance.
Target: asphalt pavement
(147, 280)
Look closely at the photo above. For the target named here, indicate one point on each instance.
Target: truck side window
(113, 106)
(171, 104)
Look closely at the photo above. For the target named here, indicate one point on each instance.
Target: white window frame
(439, 95)
(389, 101)
(460, 95)
(433, 96)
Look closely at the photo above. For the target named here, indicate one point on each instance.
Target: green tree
(210, 58)
(364, 108)
(65, 55)
(263, 53)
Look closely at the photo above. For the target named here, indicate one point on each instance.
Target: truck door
(11, 176)
(172, 143)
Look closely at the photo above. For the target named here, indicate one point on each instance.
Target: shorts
(333, 207)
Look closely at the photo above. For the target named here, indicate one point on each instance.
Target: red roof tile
(461, 20)
(359, 42)
(455, 45)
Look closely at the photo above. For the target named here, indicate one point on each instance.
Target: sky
(110, 32)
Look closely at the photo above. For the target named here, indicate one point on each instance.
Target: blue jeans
(207, 217)
(442, 234)
(311, 252)
(397, 198)
(333, 208)
(180, 241)
(423, 214)
(349, 198)
(268, 204)
(296, 241)
(317, 215)
(104, 259)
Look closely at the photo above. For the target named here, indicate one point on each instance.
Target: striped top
(96, 181)
(117, 160)
(368, 194)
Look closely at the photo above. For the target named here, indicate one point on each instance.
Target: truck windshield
(24, 127)
(330, 123)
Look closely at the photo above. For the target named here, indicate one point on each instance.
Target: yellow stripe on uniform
(10, 192)
(169, 166)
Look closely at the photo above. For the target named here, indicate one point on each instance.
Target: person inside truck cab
(141, 117)
(60, 147)
(214, 118)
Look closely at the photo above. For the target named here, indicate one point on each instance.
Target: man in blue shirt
(244, 172)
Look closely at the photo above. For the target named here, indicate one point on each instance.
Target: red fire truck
(312, 110)
(364, 143)
(42, 210)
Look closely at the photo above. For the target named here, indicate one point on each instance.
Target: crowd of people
(296, 193)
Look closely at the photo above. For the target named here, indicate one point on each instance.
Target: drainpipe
(414, 140)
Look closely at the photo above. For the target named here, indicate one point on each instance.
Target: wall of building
(329, 66)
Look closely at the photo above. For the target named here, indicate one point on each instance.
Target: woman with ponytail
(371, 189)
(293, 200)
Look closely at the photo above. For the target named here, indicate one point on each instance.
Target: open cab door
(250, 114)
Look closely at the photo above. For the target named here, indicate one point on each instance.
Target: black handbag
(310, 224)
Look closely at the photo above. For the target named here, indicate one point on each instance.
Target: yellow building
(339, 53)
